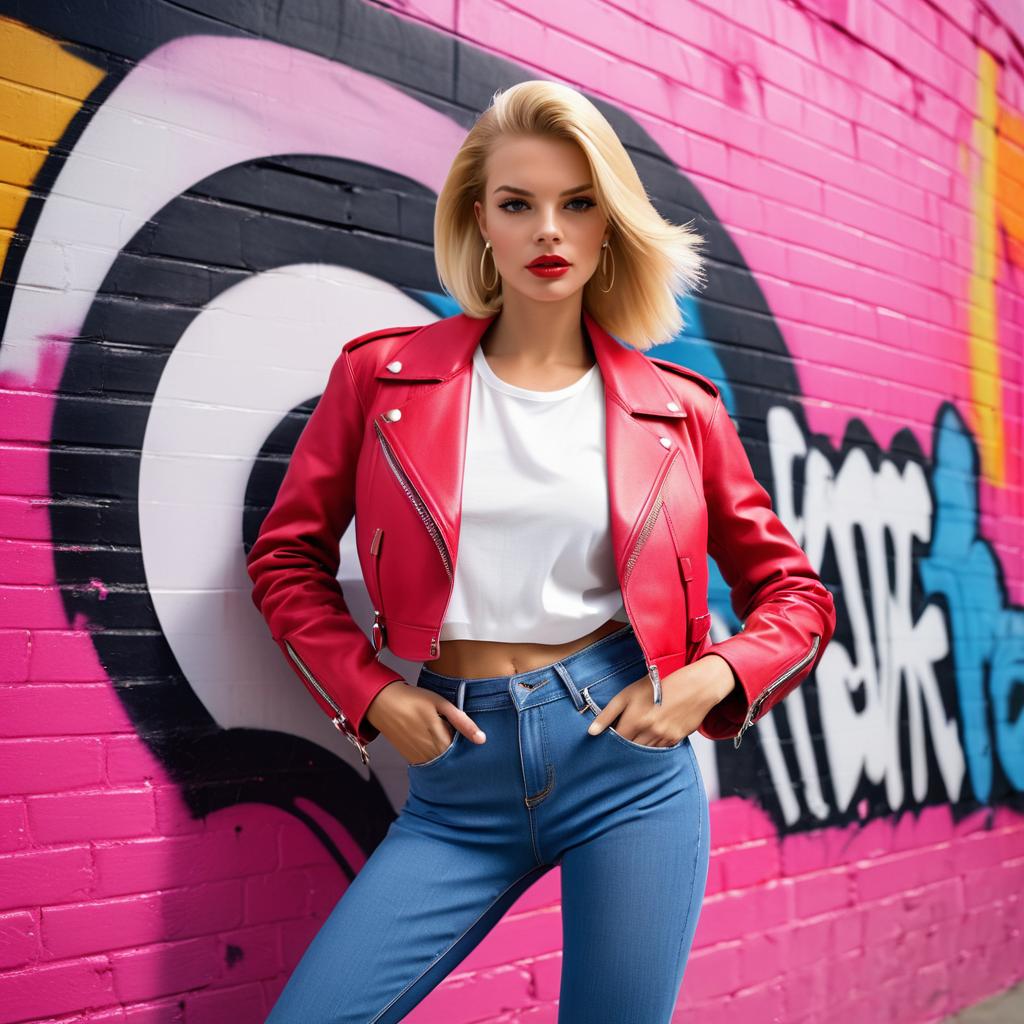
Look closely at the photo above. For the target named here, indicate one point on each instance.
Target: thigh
(421, 902)
(631, 897)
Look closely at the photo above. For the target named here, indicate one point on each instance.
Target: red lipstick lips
(548, 265)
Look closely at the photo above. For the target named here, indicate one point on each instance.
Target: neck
(537, 335)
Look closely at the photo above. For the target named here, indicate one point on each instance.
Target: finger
(604, 717)
(463, 723)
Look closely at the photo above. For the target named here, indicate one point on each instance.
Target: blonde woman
(535, 502)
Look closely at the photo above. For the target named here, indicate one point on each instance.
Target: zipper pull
(433, 646)
(377, 630)
(655, 682)
(738, 738)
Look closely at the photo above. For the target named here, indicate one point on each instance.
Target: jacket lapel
(429, 435)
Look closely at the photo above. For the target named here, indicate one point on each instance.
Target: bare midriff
(480, 659)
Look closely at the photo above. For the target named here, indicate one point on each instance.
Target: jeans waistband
(588, 665)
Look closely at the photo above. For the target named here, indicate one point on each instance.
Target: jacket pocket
(698, 618)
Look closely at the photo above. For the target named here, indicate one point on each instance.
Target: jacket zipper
(418, 502)
(341, 723)
(755, 705)
(377, 639)
(424, 513)
(645, 532)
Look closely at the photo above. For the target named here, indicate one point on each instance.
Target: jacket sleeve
(294, 562)
(788, 614)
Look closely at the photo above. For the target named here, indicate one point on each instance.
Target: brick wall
(201, 202)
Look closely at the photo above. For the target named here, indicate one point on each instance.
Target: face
(534, 206)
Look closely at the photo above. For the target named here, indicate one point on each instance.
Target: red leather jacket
(386, 443)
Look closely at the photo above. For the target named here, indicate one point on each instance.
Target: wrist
(381, 699)
(724, 678)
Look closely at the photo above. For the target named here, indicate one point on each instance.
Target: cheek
(506, 237)
(592, 235)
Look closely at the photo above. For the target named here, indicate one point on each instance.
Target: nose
(549, 229)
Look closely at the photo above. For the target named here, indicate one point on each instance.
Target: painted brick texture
(190, 193)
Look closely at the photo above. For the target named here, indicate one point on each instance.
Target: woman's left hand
(687, 695)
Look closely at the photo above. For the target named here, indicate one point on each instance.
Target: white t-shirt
(535, 560)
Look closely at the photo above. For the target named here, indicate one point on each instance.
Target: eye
(588, 203)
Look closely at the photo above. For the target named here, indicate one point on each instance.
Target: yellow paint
(983, 328)
(42, 89)
(1010, 182)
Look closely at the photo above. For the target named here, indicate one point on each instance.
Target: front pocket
(632, 744)
(440, 757)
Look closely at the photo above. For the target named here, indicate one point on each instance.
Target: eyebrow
(524, 192)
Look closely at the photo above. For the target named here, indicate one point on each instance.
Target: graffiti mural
(201, 211)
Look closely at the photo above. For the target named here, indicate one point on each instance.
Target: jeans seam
(534, 799)
(438, 757)
(615, 671)
(504, 701)
(611, 672)
(696, 853)
(632, 744)
(453, 943)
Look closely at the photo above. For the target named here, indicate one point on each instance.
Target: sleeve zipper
(755, 705)
(341, 723)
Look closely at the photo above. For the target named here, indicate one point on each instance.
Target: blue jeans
(627, 823)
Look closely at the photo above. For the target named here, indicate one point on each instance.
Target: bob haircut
(655, 260)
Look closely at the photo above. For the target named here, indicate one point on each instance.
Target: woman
(534, 503)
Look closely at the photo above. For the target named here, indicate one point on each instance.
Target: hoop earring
(487, 249)
(606, 251)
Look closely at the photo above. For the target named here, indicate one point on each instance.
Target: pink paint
(834, 159)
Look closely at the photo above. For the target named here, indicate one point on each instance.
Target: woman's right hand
(413, 720)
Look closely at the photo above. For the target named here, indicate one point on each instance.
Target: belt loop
(460, 697)
(574, 692)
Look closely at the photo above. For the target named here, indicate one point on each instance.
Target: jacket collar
(437, 351)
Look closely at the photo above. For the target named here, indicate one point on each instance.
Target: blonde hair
(655, 260)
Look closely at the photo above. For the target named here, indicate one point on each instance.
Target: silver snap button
(393, 414)
(395, 365)
(666, 443)
(674, 406)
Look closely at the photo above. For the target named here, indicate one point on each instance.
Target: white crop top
(535, 561)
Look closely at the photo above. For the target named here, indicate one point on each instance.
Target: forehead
(544, 161)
